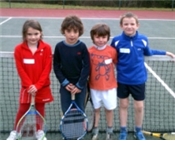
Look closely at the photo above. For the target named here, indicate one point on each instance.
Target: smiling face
(100, 34)
(32, 32)
(129, 26)
(100, 41)
(33, 36)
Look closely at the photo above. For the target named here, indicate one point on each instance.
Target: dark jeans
(66, 99)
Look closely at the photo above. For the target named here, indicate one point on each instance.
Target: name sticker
(28, 61)
(124, 50)
(108, 61)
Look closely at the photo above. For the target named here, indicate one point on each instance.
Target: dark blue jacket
(71, 64)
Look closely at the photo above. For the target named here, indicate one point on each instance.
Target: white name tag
(108, 61)
(124, 50)
(28, 61)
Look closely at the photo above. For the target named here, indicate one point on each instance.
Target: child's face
(33, 36)
(71, 35)
(129, 26)
(100, 41)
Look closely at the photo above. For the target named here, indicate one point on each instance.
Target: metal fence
(118, 3)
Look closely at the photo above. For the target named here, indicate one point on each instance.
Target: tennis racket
(89, 110)
(74, 122)
(165, 136)
(30, 122)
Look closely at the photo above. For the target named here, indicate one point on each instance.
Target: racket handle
(32, 99)
(72, 96)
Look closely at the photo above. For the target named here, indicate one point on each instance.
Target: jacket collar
(40, 45)
(130, 37)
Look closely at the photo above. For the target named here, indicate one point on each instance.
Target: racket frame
(32, 107)
(87, 101)
(73, 103)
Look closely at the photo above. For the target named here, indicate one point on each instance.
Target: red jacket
(34, 69)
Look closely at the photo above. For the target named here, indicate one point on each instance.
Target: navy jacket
(71, 64)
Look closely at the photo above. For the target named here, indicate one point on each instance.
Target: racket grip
(32, 99)
(72, 96)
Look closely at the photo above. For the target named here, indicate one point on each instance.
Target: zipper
(131, 42)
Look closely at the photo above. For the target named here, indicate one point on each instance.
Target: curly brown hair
(72, 22)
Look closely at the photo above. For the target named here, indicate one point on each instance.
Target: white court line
(83, 37)
(5, 20)
(85, 18)
(160, 80)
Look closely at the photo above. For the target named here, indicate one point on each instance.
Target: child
(71, 63)
(131, 72)
(33, 59)
(102, 80)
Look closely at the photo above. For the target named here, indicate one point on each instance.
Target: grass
(56, 6)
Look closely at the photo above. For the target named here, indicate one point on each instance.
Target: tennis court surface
(160, 87)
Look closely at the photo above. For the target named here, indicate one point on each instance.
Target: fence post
(172, 5)
(119, 4)
(9, 3)
(63, 3)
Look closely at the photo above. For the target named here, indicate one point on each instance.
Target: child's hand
(69, 87)
(75, 90)
(32, 89)
(170, 54)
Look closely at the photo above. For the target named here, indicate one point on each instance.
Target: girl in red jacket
(33, 59)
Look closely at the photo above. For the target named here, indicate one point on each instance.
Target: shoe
(95, 132)
(109, 133)
(139, 135)
(94, 136)
(14, 136)
(108, 136)
(123, 136)
(40, 135)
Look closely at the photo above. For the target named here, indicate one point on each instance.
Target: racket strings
(74, 125)
(30, 124)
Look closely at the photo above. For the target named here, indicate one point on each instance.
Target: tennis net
(159, 103)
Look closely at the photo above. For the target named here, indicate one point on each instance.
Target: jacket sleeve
(47, 69)
(149, 52)
(57, 68)
(25, 80)
(85, 69)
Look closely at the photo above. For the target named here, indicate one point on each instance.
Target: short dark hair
(72, 22)
(33, 24)
(100, 30)
(128, 15)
